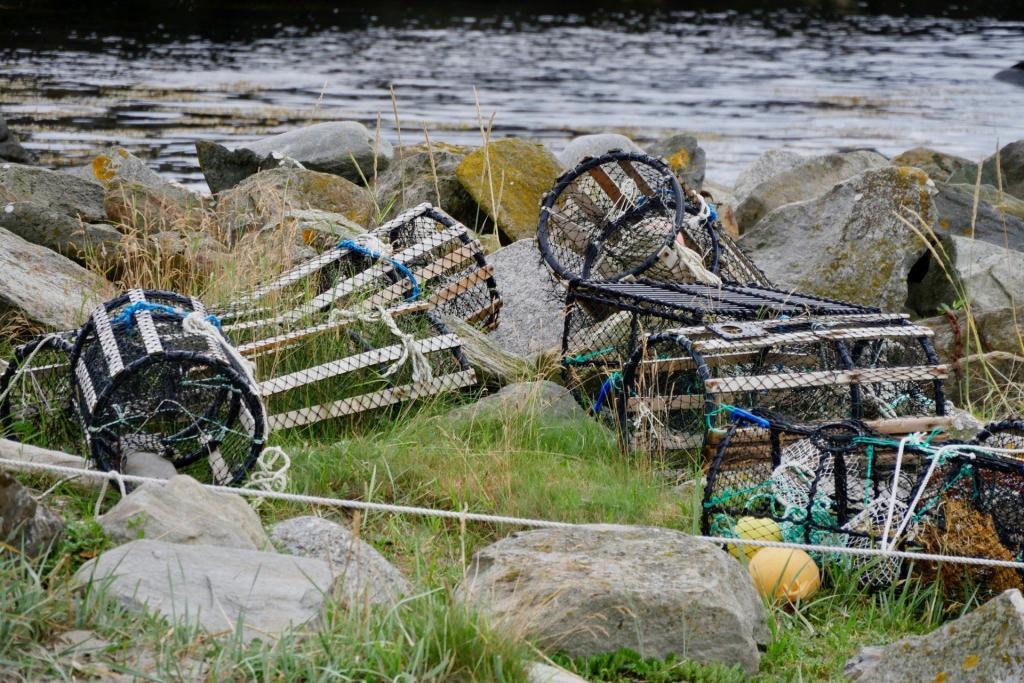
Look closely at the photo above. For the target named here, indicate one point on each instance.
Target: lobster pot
(376, 361)
(35, 386)
(147, 381)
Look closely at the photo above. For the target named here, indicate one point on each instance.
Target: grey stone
(364, 576)
(345, 148)
(26, 524)
(542, 398)
(990, 276)
(684, 156)
(984, 645)
(1014, 75)
(10, 148)
(531, 310)
(117, 164)
(215, 588)
(994, 223)
(849, 243)
(938, 165)
(1011, 170)
(545, 673)
(410, 181)
(145, 464)
(45, 286)
(64, 234)
(592, 589)
(767, 166)
(61, 192)
(807, 180)
(146, 209)
(583, 146)
(183, 511)
(996, 330)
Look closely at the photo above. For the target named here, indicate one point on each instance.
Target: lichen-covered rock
(808, 179)
(268, 194)
(63, 193)
(188, 251)
(583, 146)
(183, 511)
(541, 398)
(995, 217)
(45, 286)
(25, 524)
(592, 589)
(147, 208)
(118, 164)
(764, 167)
(418, 174)
(938, 165)
(1011, 170)
(849, 243)
(365, 576)
(507, 178)
(60, 232)
(684, 156)
(984, 645)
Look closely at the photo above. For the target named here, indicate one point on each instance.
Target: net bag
(150, 374)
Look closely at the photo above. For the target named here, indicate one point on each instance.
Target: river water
(741, 81)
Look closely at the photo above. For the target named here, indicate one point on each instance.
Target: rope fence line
(466, 516)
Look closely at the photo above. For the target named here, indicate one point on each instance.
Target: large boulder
(1011, 170)
(69, 236)
(531, 309)
(584, 146)
(118, 164)
(938, 165)
(767, 166)
(1014, 74)
(808, 179)
(849, 243)
(344, 148)
(684, 156)
(988, 276)
(984, 645)
(508, 178)
(590, 589)
(184, 511)
(426, 174)
(26, 524)
(10, 148)
(46, 287)
(365, 576)
(63, 193)
(269, 194)
(997, 330)
(553, 401)
(996, 217)
(216, 588)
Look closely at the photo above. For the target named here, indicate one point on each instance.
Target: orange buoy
(784, 573)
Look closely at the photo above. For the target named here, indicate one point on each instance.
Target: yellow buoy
(755, 529)
(784, 573)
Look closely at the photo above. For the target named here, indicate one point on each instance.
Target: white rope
(271, 473)
(421, 370)
(196, 323)
(501, 519)
(894, 490)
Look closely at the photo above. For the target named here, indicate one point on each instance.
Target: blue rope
(127, 315)
(397, 265)
(713, 216)
(613, 380)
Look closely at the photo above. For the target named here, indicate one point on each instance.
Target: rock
(62, 233)
(59, 192)
(410, 181)
(118, 164)
(996, 329)
(344, 148)
(365, 576)
(545, 673)
(583, 146)
(543, 398)
(269, 194)
(592, 589)
(183, 511)
(148, 209)
(847, 244)
(984, 645)
(10, 148)
(684, 156)
(809, 179)
(188, 251)
(1014, 75)
(508, 178)
(723, 199)
(763, 168)
(25, 524)
(991, 277)
(45, 286)
(938, 165)
(144, 464)
(984, 380)
(213, 587)
(1010, 177)
(531, 309)
(997, 219)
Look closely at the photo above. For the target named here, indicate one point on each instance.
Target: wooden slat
(656, 403)
(795, 380)
(635, 176)
(427, 273)
(814, 335)
(605, 182)
(662, 365)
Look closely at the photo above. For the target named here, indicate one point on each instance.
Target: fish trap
(150, 374)
(359, 326)
(622, 216)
